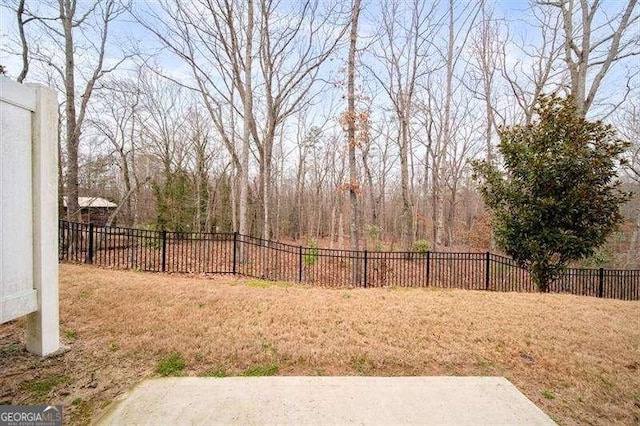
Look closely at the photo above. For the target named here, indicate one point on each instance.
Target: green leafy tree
(557, 197)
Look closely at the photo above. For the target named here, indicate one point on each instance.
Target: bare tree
(467, 135)
(219, 51)
(23, 41)
(530, 76)
(383, 131)
(336, 158)
(74, 21)
(592, 46)
(286, 87)
(116, 118)
(350, 119)
(201, 153)
(308, 139)
(290, 46)
(627, 121)
(486, 46)
(629, 127)
(75, 115)
(402, 54)
(165, 138)
(438, 115)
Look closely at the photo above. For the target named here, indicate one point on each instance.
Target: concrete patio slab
(325, 400)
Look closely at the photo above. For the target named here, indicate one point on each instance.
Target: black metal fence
(232, 253)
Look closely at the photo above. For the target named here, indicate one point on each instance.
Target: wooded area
(346, 125)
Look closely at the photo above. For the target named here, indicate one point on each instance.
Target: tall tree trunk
(247, 130)
(354, 228)
(61, 185)
(23, 41)
(266, 169)
(408, 225)
(341, 227)
(296, 215)
(332, 224)
(446, 131)
(451, 214)
(124, 164)
(233, 196)
(370, 190)
(354, 187)
(73, 136)
(436, 207)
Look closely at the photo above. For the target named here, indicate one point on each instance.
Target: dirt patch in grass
(578, 358)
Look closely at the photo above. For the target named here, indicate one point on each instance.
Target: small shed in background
(94, 210)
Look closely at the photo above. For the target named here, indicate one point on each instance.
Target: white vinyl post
(43, 326)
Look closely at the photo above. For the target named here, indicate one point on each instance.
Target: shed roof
(96, 202)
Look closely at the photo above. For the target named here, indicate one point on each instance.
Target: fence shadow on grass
(232, 253)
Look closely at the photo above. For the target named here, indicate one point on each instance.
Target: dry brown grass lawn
(578, 358)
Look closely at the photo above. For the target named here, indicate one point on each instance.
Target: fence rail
(233, 253)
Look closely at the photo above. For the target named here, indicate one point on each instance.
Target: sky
(126, 32)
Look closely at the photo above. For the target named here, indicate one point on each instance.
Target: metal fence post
(90, 245)
(235, 251)
(487, 269)
(164, 250)
(428, 266)
(300, 264)
(601, 282)
(365, 269)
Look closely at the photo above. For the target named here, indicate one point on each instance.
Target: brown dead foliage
(578, 358)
